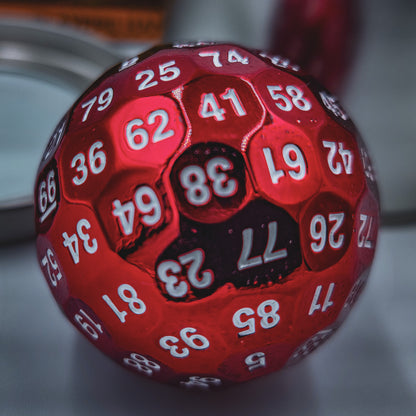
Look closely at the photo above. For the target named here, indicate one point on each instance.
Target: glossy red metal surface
(206, 214)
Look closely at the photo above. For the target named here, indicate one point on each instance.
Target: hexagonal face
(204, 215)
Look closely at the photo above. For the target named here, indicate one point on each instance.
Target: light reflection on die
(206, 214)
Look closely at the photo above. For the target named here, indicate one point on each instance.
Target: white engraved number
(47, 196)
(52, 267)
(347, 157)
(209, 106)
(293, 158)
(141, 364)
(232, 57)
(315, 306)
(194, 341)
(202, 383)
(331, 103)
(146, 202)
(71, 242)
(104, 100)
(194, 180)
(318, 231)
(167, 72)
(246, 262)
(255, 361)
(127, 294)
(88, 325)
(138, 137)
(364, 237)
(289, 97)
(267, 311)
(168, 270)
(128, 63)
(96, 162)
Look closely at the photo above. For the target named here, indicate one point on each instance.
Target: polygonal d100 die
(205, 215)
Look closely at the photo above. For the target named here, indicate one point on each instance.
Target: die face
(206, 214)
(284, 164)
(227, 100)
(210, 182)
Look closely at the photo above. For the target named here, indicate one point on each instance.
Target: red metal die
(206, 216)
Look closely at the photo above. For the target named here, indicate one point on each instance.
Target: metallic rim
(60, 56)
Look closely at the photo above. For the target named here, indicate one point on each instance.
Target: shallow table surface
(367, 368)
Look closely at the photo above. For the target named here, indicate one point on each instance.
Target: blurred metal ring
(57, 55)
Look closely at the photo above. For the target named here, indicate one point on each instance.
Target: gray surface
(367, 368)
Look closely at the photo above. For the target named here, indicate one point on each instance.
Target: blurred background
(363, 50)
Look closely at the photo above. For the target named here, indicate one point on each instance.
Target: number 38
(194, 180)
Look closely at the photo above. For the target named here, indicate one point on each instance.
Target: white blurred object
(43, 69)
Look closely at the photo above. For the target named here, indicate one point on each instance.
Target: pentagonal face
(133, 207)
(327, 225)
(206, 214)
(87, 161)
(87, 322)
(284, 164)
(288, 98)
(148, 130)
(340, 160)
(222, 106)
(210, 182)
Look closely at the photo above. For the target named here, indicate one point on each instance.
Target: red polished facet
(205, 215)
